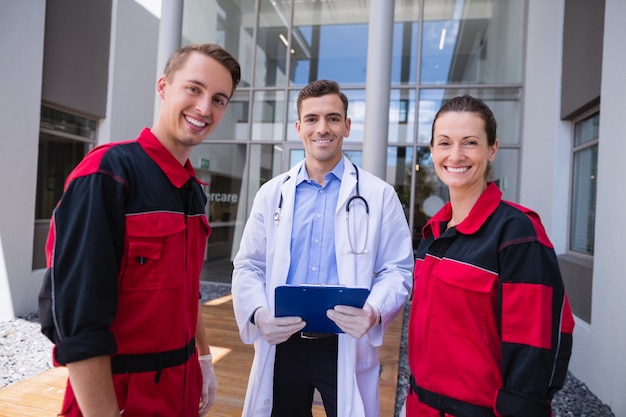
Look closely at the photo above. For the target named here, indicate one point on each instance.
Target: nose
(203, 105)
(322, 127)
(456, 152)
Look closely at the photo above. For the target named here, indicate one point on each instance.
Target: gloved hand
(353, 320)
(277, 329)
(209, 384)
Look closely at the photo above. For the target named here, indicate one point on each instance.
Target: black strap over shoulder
(148, 362)
(449, 405)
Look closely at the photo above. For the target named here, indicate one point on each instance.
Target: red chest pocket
(463, 300)
(156, 252)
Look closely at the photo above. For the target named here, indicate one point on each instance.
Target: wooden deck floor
(41, 395)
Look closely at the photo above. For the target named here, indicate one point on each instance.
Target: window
(64, 139)
(584, 185)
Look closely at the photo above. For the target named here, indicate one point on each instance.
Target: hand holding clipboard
(311, 303)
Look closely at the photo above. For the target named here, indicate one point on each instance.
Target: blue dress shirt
(313, 259)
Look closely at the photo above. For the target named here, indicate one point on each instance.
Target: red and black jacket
(490, 330)
(124, 252)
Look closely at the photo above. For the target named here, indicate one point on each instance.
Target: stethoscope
(351, 200)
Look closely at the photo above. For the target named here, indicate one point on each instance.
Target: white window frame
(574, 150)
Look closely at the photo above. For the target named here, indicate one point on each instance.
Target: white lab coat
(262, 263)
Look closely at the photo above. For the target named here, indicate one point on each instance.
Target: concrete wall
(599, 347)
(129, 108)
(22, 44)
(598, 358)
(76, 53)
(132, 72)
(546, 142)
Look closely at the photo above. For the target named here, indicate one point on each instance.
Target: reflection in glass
(272, 48)
(583, 204)
(505, 169)
(405, 42)
(503, 102)
(221, 168)
(268, 115)
(329, 41)
(227, 23)
(263, 165)
(402, 116)
(235, 122)
(58, 156)
(427, 185)
(587, 130)
(295, 156)
(584, 185)
(472, 42)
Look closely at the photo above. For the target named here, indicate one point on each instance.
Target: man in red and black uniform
(125, 251)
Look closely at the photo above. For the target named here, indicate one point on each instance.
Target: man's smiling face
(322, 127)
(194, 100)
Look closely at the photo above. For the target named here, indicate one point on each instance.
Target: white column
(378, 85)
(170, 35)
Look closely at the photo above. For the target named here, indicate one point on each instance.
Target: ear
(348, 124)
(160, 86)
(493, 150)
(298, 127)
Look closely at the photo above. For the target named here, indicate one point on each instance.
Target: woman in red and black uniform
(490, 331)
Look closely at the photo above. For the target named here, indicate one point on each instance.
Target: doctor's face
(322, 127)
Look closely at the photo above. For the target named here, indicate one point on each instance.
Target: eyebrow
(201, 84)
(326, 115)
(464, 137)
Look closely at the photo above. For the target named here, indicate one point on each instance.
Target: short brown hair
(179, 57)
(321, 88)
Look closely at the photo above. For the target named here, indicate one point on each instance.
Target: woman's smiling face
(460, 151)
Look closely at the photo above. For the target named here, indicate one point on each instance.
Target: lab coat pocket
(155, 254)
(464, 300)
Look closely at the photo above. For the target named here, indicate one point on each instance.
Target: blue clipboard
(311, 302)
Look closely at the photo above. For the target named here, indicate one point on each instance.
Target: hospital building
(76, 73)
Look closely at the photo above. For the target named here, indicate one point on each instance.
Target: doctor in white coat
(372, 250)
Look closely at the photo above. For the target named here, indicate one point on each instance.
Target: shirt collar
(483, 208)
(175, 172)
(337, 171)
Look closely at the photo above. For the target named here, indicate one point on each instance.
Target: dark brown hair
(321, 88)
(473, 105)
(221, 55)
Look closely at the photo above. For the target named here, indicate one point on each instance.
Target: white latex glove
(209, 384)
(277, 329)
(353, 320)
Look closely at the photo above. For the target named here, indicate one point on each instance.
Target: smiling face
(460, 151)
(322, 126)
(193, 101)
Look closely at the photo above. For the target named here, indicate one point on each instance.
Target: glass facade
(64, 139)
(584, 185)
(440, 49)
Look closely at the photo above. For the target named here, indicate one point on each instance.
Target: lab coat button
(266, 402)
